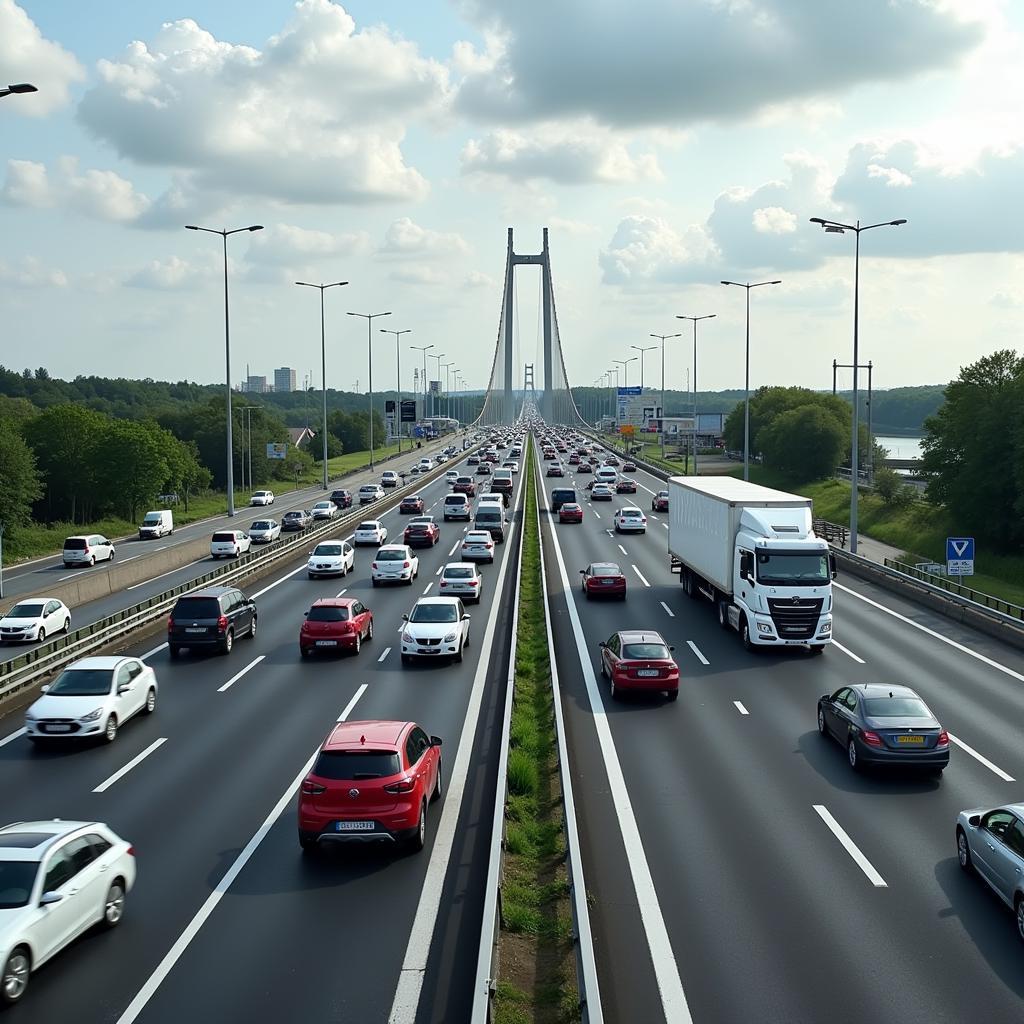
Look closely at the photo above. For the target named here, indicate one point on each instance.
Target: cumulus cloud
(288, 244)
(174, 274)
(774, 220)
(317, 116)
(671, 63)
(406, 239)
(25, 55)
(30, 273)
(646, 251)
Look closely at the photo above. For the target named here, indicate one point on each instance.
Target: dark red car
(464, 485)
(659, 503)
(342, 498)
(639, 660)
(370, 783)
(629, 467)
(335, 624)
(584, 467)
(412, 504)
(574, 459)
(625, 486)
(570, 513)
(422, 532)
(603, 579)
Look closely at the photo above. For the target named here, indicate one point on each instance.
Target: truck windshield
(793, 568)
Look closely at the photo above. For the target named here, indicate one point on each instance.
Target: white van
(157, 524)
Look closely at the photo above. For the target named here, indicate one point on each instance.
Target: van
(157, 524)
(492, 519)
(87, 550)
(456, 506)
(501, 481)
(562, 496)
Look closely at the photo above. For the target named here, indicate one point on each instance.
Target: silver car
(461, 579)
(991, 840)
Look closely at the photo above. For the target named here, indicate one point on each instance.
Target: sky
(665, 144)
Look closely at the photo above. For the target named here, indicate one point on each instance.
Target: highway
(228, 920)
(711, 826)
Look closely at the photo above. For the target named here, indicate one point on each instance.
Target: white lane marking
(341, 593)
(104, 786)
(847, 651)
(440, 569)
(170, 572)
(740, 708)
(641, 575)
(161, 548)
(452, 552)
(278, 582)
(623, 550)
(664, 526)
(596, 513)
(652, 517)
(980, 758)
(61, 579)
(696, 650)
(850, 847)
(666, 970)
(363, 687)
(384, 654)
(671, 613)
(156, 650)
(238, 675)
(122, 561)
(173, 955)
(931, 632)
(429, 585)
(13, 736)
(609, 532)
(414, 964)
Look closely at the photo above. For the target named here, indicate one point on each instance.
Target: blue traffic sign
(960, 556)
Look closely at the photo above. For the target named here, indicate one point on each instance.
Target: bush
(889, 486)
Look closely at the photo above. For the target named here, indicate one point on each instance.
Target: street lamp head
(254, 227)
(775, 282)
(22, 87)
(191, 227)
(897, 223)
(818, 220)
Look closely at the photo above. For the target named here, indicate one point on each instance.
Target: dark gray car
(212, 618)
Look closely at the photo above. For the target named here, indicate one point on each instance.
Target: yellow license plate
(910, 739)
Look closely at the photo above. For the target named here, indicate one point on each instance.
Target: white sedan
(263, 531)
(630, 519)
(324, 510)
(451, 476)
(57, 880)
(331, 558)
(35, 620)
(477, 546)
(394, 563)
(92, 699)
(373, 531)
(437, 627)
(262, 498)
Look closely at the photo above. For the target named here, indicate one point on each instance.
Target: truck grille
(795, 618)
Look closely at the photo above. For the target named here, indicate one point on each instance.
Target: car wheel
(851, 753)
(465, 643)
(111, 558)
(963, 851)
(369, 630)
(42, 634)
(613, 690)
(419, 838)
(308, 845)
(822, 726)
(175, 651)
(672, 695)
(457, 658)
(110, 729)
(15, 976)
(438, 784)
(113, 906)
(92, 560)
(376, 583)
(67, 624)
(252, 627)
(150, 706)
(358, 644)
(1018, 913)
(228, 642)
(406, 660)
(305, 652)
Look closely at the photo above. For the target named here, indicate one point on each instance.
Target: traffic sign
(960, 556)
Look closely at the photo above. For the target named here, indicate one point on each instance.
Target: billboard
(277, 451)
(408, 410)
(630, 392)
(389, 407)
(435, 387)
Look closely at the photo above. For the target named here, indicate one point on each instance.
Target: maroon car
(659, 503)
(603, 579)
(464, 485)
(422, 532)
(570, 513)
(625, 486)
(584, 467)
(412, 504)
(639, 660)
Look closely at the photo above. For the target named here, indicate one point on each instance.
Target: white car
(389, 478)
(441, 459)
(57, 880)
(461, 579)
(477, 546)
(373, 531)
(91, 699)
(630, 519)
(370, 493)
(263, 531)
(514, 466)
(451, 476)
(426, 465)
(324, 510)
(394, 563)
(262, 498)
(229, 543)
(331, 558)
(87, 550)
(437, 627)
(35, 619)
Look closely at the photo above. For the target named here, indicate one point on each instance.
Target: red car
(335, 623)
(370, 783)
(570, 513)
(659, 503)
(625, 486)
(464, 485)
(629, 467)
(412, 504)
(603, 579)
(584, 467)
(422, 532)
(574, 459)
(639, 660)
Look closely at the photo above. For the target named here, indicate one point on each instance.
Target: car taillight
(222, 622)
(872, 739)
(407, 565)
(490, 544)
(474, 583)
(943, 739)
(170, 622)
(373, 565)
(130, 851)
(444, 583)
(311, 788)
(86, 551)
(405, 786)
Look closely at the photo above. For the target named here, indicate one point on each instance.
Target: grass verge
(537, 964)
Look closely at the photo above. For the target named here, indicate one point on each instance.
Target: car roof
(884, 690)
(641, 636)
(631, 508)
(608, 565)
(334, 602)
(366, 524)
(478, 533)
(413, 497)
(100, 661)
(437, 600)
(25, 600)
(457, 565)
(352, 735)
(393, 547)
(211, 592)
(53, 831)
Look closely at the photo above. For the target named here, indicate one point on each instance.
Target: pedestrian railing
(950, 586)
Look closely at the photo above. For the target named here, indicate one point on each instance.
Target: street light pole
(662, 337)
(643, 350)
(624, 363)
(835, 227)
(447, 385)
(746, 385)
(439, 356)
(369, 318)
(398, 366)
(423, 349)
(323, 360)
(227, 354)
(707, 316)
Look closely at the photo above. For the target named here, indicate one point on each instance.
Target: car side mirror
(826, 698)
(583, 572)
(124, 688)
(602, 644)
(833, 571)
(465, 615)
(43, 689)
(974, 820)
(435, 741)
(671, 648)
(49, 898)
(405, 618)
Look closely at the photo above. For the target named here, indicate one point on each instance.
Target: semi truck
(752, 552)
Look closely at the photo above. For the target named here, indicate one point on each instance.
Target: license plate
(327, 643)
(353, 826)
(430, 650)
(647, 673)
(910, 739)
(58, 728)
(195, 629)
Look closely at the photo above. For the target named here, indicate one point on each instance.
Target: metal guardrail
(834, 533)
(979, 597)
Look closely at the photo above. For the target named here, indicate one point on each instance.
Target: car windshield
(16, 879)
(391, 556)
(645, 652)
(434, 613)
(151, 517)
(82, 682)
(327, 613)
(896, 707)
(30, 610)
(324, 550)
(322, 504)
(294, 515)
(605, 570)
(458, 573)
(793, 568)
(351, 765)
(197, 608)
(262, 524)
(372, 527)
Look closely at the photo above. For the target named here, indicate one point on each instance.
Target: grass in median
(536, 965)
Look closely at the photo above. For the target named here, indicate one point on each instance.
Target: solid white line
(641, 575)
(238, 675)
(170, 572)
(664, 526)
(104, 786)
(696, 650)
(847, 652)
(363, 687)
(850, 847)
(13, 736)
(429, 585)
(122, 561)
(931, 632)
(671, 613)
(385, 653)
(153, 982)
(740, 708)
(623, 550)
(162, 547)
(341, 593)
(156, 650)
(982, 760)
(61, 579)
(452, 552)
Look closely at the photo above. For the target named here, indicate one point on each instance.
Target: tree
(295, 464)
(21, 482)
(804, 443)
(187, 473)
(132, 465)
(891, 488)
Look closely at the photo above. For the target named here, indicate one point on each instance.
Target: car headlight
(450, 638)
(92, 716)
(408, 638)
(826, 628)
(30, 716)
(764, 627)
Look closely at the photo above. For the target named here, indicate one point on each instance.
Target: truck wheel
(745, 634)
(723, 615)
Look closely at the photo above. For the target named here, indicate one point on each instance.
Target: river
(901, 447)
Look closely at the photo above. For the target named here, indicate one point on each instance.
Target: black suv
(213, 617)
(342, 498)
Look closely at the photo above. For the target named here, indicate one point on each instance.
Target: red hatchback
(370, 783)
(603, 579)
(411, 504)
(335, 623)
(422, 533)
(570, 513)
(639, 660)
(624, 486)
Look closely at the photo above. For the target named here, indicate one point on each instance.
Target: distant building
(284, 379)
(300, 435)
(256, 385)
